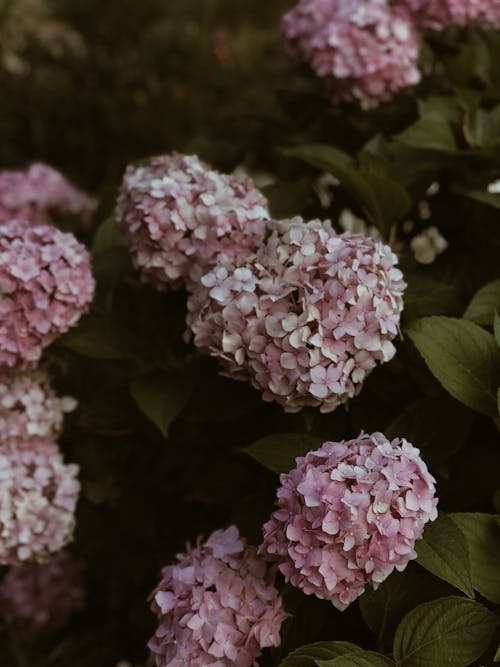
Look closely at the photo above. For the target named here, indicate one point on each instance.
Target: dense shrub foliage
(362, 304)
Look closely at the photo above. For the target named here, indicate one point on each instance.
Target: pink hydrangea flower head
(179, 216)
(307, 318)
(365, 50)
(216, 606)
(40, 193)
(42, 596)
(29, 408)
(348, 515)
(46, 285)
(437, 14)
(38, 496)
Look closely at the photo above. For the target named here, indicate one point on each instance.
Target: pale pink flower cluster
(29, 407)
(217, 606)
(46, 284)
(38, 194)
(348, 514)
(38, 495)
(42, 596)
(179, 217)
(307, 318)
(366, 50)
(437, 14)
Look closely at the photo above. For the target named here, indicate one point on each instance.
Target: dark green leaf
(480, 195)
(99, 339)
(450, 631)
(383, 201)
(107, 236)
(392, 200)
(326, 158)
(365, 659)
(496, 327)
(482, 307)
(306, 656)
(482, 533)
(279, 451)
(463, 357)
(287, 199)
(384, 608)
(444, 552)
(484, 128)
(425, 296)
(437, 426)
(446, 106)
(431, 132)
(162, 396)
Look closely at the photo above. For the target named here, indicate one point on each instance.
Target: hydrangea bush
(249, 387)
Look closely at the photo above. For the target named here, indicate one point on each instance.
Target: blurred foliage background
(89, 86)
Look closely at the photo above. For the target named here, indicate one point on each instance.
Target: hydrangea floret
(38, 496)
(216, 606)
(437, 14)
(365, 50)
(349, 514)
(40, 193)
(180, 217)
(29, 407)
(307, 318)
(42, 596)
(46, 285)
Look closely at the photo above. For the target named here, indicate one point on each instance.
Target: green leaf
(365, 659)
(443, 551)
(308, 614)
(482, 307)
(306, 656)
(479, 195)
(107, 236)
(463, 357)
(279, 450)
(431, 132)
(392, 201)
(437, 426)
(384, 608)
(326, 158)
(99, 339)
(483, 539)
(426, 296)
(496, 327)
(382, 200)
(286, 199)
(162, 396)
(484, 129)
(497, 655)
(445, 105)
(450, 631)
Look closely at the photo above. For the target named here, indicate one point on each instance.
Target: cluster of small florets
(437, 14)
(365, 50)
(40, 193)
(38, 495)
(179, 217)
(29, 407)
(46, 284)
(217, 606)
(42, 596)
(307, 318)
(348, 514)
